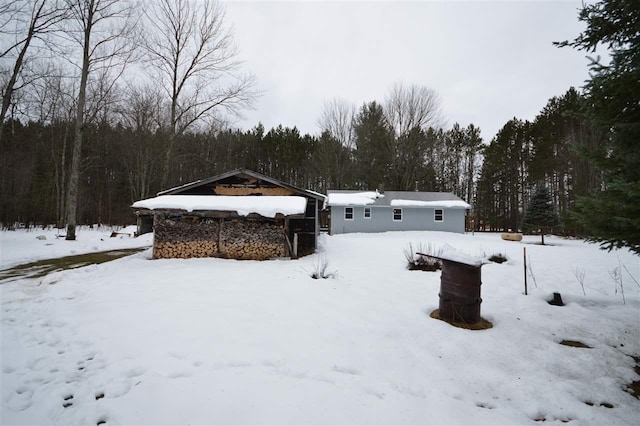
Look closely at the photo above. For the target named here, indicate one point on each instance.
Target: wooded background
(83, 136)
(123, 158)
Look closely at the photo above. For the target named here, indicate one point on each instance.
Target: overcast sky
(488, 60)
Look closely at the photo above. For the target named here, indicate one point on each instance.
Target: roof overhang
(270, 207)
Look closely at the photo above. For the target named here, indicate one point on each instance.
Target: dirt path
(41, 268)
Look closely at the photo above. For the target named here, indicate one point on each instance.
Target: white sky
(488, 60)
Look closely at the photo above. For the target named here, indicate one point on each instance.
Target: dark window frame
(348, 213)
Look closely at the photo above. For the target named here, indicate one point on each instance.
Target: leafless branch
(412, 107)
(337, 118)
(32, 19)
(191, 54)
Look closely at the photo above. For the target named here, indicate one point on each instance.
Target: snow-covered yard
(204, 341)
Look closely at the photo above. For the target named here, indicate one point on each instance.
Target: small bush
(498, 258)
(419, 262)
(321, 270)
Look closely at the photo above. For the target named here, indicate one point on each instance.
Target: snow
(441, 203)
(23, 246)
(127, 230)
(353, 198)
(450, 253)
(218, 341)
(265, 206)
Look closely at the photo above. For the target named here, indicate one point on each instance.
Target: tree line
(357, 148)
(125, 151)
(548, 151)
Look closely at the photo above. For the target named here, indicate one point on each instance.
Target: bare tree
(412, 107)
(337, 120)
(410, 111)
(23, 22)
(195, 60)
(51, 100)
(141, 113)
(109, 22)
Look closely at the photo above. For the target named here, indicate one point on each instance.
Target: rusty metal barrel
(460, 292)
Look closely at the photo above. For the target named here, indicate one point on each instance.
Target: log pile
(255, 251)
(185, 249)
(186, 229)
(247, 239)
(202, 237)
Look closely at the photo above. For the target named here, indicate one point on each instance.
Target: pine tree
(374, 146)
(540, 214)
(610, 215)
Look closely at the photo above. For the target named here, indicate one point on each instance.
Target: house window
(367, 212)
(397, 214)
(438, 215)
(348, 213)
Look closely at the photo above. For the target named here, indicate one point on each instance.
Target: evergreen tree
(541, 214)
(374, 146)
(610, 215)
(501, 186)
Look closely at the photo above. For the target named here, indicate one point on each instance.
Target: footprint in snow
(134, 372)
(20, 398)
(485, 405)
(67, 401)
(346, 370)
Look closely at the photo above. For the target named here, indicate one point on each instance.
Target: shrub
(321, 270)
(417, 261)
(498, 258)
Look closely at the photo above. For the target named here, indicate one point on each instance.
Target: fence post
(524, 252)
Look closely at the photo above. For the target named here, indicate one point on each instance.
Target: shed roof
(244, 206)
(239, 173)
(395, 198)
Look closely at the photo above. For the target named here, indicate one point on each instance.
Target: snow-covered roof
(353, 198)
(442, 203)
(267, 206)
(396, 199)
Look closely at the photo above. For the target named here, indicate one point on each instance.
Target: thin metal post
(524, 252)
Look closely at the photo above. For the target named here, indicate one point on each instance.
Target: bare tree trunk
(76, 157)
(112, 51)
(61, 180)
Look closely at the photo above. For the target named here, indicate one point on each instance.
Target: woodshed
(239, 214)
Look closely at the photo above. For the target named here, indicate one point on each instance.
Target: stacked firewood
(245, 239)
(235, 239)
(185, 238)
(194, 229)
(255, 251)
(185, 249)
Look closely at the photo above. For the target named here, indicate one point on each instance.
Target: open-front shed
(240, 214)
